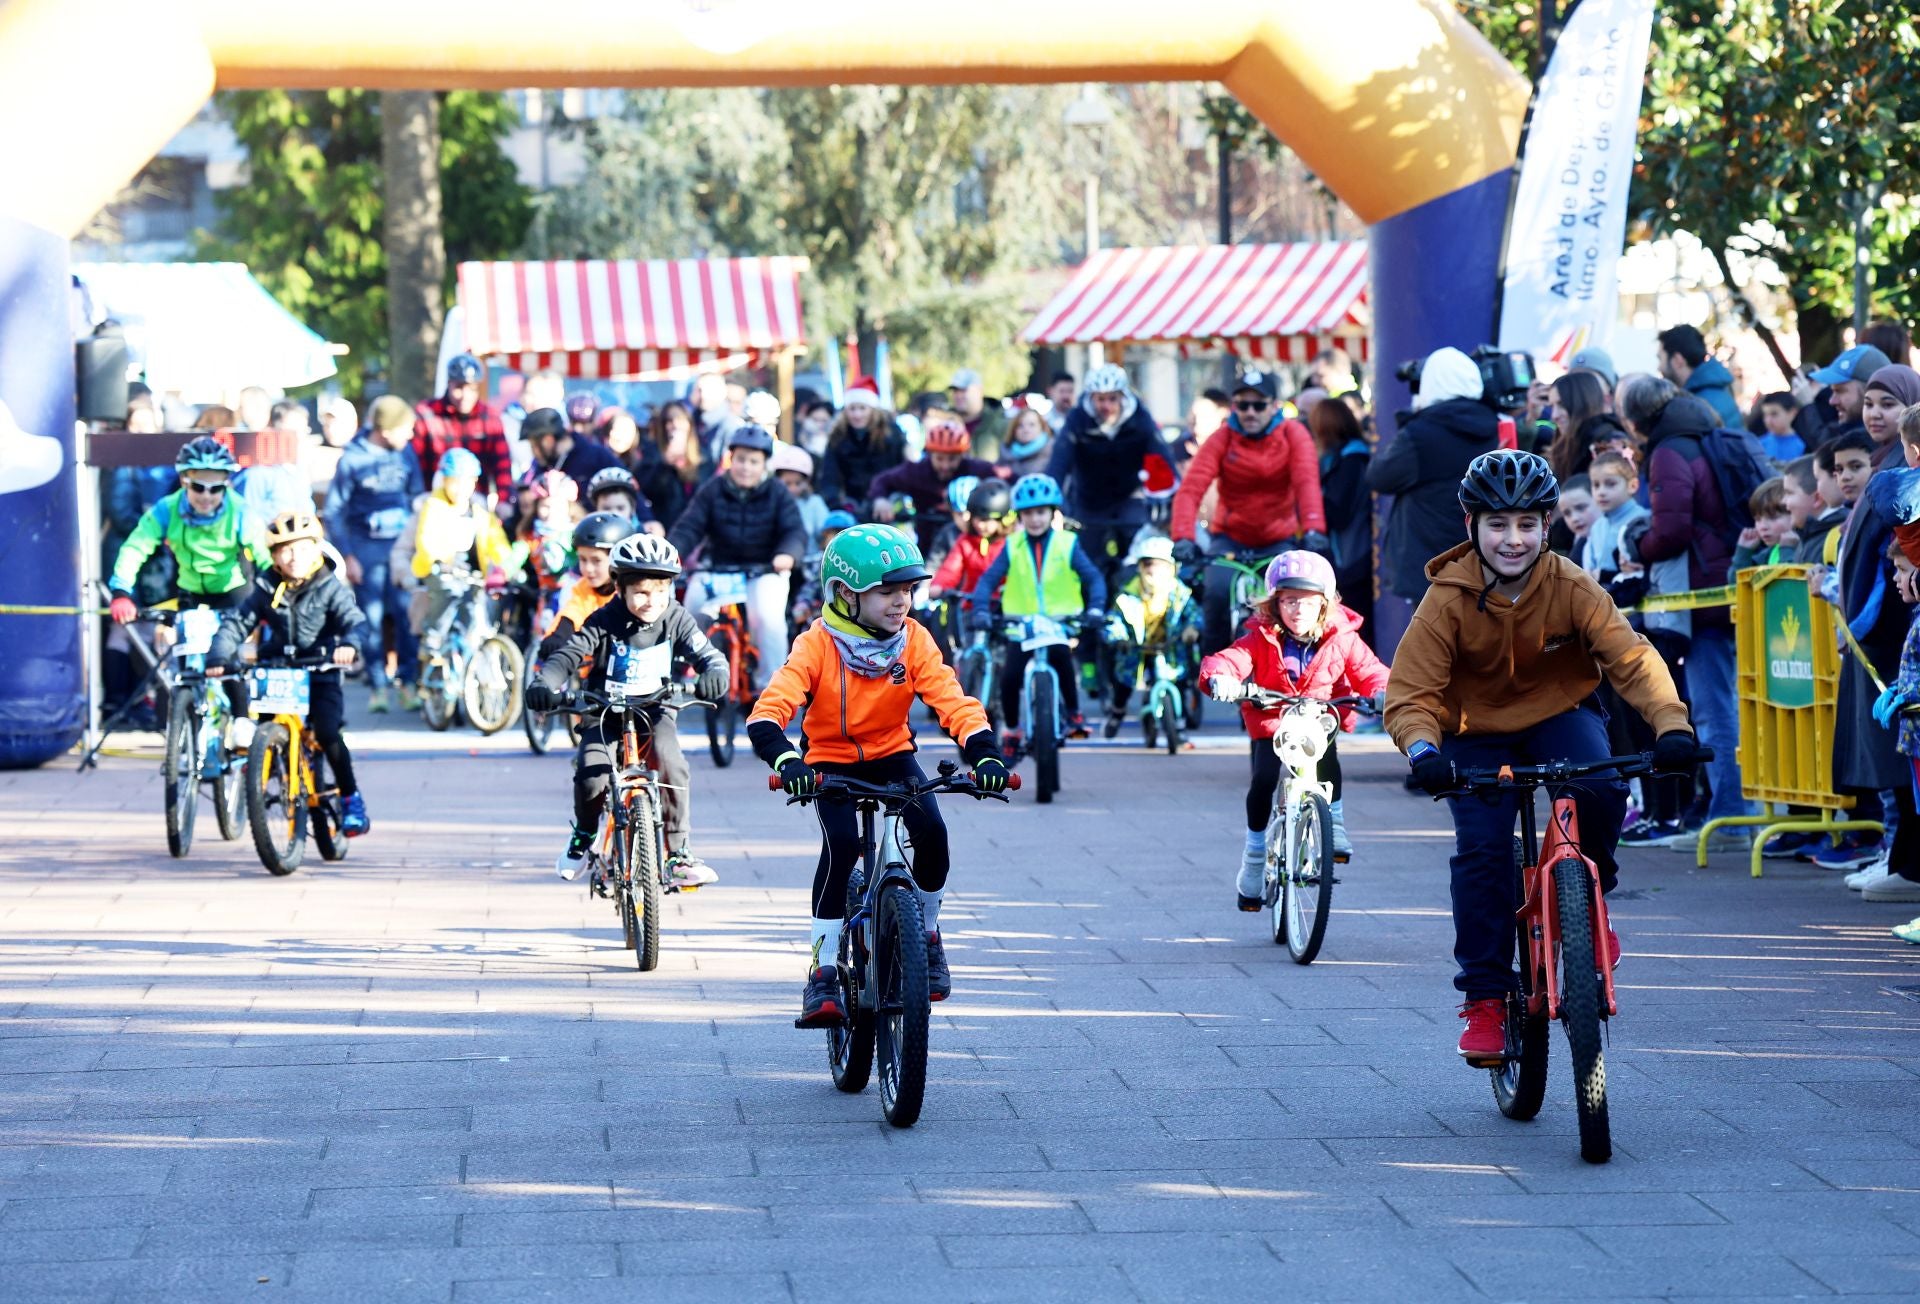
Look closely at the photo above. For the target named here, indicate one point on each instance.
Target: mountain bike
(198, 718)
(883, 946)
(1043, 724)
(629, 867)
(479, 672)
(288, 793)
(1566, 969)
(525, 610)
(1300, 873)
(725, 607)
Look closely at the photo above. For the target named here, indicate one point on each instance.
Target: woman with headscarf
(1890, 392)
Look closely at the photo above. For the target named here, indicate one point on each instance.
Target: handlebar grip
(773, 783)
(1013, 781)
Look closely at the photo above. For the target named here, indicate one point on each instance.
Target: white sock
(826, 944)
(930, 909)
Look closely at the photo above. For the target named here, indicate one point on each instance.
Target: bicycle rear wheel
(490, 689)
(230, 797)
(180, 773)
(721, 716)
(279, 821)
(1307, 886)
(623, 888)
(1274, 882)
(646, 888)
(1580, 1007)
(905, 1007)
(1045, 742)
(326, 814)
(1520, 1084)
(538, 724)
(437, 705)
(850, 1043)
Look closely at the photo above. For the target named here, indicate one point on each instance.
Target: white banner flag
(1570, 212)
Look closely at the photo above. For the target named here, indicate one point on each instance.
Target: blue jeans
(1716, 717)
(1484, 879)
(380, 597)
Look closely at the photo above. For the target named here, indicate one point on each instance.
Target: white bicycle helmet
(1108, 378)
(644, 556)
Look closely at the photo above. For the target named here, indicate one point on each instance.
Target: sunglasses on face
(1251, 405)
(201, 487)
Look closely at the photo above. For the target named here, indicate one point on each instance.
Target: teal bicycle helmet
(205, 454)
(1035, 491)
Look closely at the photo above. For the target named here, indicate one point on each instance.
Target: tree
(416, 258)
(309, 221)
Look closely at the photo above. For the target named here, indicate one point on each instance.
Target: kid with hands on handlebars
(1499, 667)
(857, 671)
(1301, 641)
(636, 640)
(304, 609)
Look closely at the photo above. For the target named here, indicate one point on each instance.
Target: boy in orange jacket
(857, 671)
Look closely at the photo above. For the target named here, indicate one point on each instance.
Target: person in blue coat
(368, 508)
(1684, 361)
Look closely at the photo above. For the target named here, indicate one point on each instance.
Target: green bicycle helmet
(865, 557)
(205, 454)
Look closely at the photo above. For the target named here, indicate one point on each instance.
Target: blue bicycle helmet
(959, 489)
(464, 369)
(205, 454)
(1036, 491)
(839, 520)
(457, 464)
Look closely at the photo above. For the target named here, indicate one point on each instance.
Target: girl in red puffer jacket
(1300, 641)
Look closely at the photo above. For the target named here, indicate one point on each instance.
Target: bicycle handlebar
(585, 700)
(318, 663)
(1267, 699)
(950, 779)
(1483, 778)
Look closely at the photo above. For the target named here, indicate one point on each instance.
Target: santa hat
(865, 390)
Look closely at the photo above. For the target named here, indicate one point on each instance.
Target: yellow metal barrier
(1787, 680)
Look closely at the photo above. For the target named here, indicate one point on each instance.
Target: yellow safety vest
(1054, 592)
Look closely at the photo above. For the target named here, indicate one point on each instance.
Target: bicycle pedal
(1342, 858)
(1485, 1061)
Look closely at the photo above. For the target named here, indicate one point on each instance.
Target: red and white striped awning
(1283, 302)
(631, 319)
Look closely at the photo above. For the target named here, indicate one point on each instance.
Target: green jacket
(212, 558)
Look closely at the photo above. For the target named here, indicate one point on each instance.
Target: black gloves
(712, 685)
(1314, 541)
(990, 774)
(540, 697)
(1433, 773)
(1186, 552)
(797, 777)
(1675, 752)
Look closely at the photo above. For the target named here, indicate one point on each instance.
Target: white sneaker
(240, 733)
(684, 869)
(573, 857)
(1879, 869)
(1252, 882)
(1891, 888)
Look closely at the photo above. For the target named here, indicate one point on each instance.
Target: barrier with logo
(1787, 680)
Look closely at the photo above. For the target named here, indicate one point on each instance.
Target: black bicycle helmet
(1508, 481)
(751, 437)
(543, 421)
(601, 530)
(990, 498)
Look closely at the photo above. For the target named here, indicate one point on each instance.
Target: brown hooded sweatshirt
(1462, 669)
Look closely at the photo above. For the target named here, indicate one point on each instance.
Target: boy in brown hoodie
(1499, 667)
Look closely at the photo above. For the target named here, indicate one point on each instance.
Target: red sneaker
(1613, 948)
(1486, 1034)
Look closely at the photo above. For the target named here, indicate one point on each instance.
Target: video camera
(1504, 377)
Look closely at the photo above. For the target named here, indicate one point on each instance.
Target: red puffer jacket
(1269, 487)
(1342, 665)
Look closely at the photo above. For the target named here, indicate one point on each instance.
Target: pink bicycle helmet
(1301, 569)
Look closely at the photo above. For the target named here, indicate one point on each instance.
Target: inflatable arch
(1398, 105)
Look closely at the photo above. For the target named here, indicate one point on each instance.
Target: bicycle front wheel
(850, 1042)
(905, 1007)
(437, 706)
(723, 726)
(490, 690)
(538, 724)
(1307, 886)
(1170, 730)
(180, 773)
(279, 819)
(1045, 740)
(1580, 999)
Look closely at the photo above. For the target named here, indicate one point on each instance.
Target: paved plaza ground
(431, 1073)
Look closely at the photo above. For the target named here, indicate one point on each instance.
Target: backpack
(1740, 465)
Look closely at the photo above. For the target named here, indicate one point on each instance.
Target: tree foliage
(307, 221)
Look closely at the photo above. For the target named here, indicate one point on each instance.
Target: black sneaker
(1649, 833)
(939, 976)
(820, 1004)
(1111, 728)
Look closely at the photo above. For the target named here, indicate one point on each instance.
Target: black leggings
(599, 752)
(327, 718)
(840, 833)
(1266, 779)
(1014, 670)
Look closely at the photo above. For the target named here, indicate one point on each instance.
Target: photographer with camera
(1451, 423)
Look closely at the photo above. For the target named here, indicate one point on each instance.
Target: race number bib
(280, 691)
(196, 627)
(723, 590)
(640, 672)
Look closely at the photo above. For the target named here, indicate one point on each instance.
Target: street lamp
(1091, 113)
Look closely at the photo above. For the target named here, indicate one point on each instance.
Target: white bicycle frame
(1300, 741)
(1037, 634)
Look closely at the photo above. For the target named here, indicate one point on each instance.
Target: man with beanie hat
(1450, 425)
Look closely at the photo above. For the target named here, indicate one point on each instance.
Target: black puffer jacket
(741, 527)
(1100, 474)
(311, 620)
(1422, 467)
(852, 460)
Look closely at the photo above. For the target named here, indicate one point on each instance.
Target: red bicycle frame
(1539, 913)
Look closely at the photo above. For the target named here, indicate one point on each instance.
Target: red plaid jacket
(440, 427)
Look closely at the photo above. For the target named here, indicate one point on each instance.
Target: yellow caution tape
(1688, 601)
(14, 609)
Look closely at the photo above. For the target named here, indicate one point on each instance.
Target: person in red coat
(988, 508)
(1268, 471)
(1302, 641)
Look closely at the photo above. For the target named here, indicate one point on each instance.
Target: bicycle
(1300, 874)
(630, 865)
(479, 672)
(883, 946)
(1043, 725)
(979, 673)
(197, 729)
(525, 610)
(1561, 923)
(1166, 710)
(288, 795)
(727, 629)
